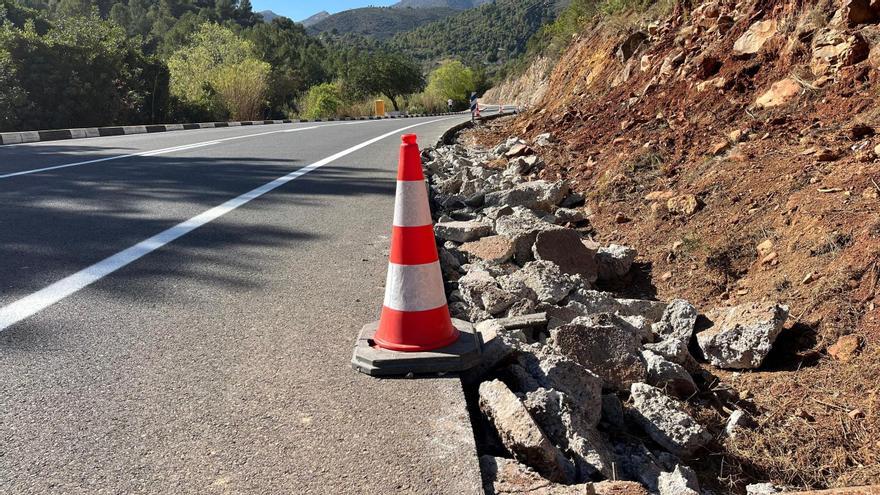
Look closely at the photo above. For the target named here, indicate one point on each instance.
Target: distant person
(449, 104)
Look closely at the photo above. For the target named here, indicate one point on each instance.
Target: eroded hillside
(735, 145)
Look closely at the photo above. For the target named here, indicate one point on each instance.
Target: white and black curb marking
(92, 132)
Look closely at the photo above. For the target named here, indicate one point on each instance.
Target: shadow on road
(59, 222)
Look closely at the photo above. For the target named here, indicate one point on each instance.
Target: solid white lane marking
(42, 299)
(411, 204)
(414, 287)
(173, 149)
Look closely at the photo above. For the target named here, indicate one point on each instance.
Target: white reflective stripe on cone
(411, 204)
(414, 287)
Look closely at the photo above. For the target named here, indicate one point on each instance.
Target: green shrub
(322, 101)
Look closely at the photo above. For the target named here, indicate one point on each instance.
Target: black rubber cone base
(375, 361)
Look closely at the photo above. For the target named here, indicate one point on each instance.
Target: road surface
(178, 311)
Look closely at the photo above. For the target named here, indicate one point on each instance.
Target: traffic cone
(415, 333)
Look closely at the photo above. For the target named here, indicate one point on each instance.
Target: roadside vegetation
(84, 63)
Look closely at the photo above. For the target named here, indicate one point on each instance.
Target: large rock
(493, 249)
(462, 231)
(668, 376)
(753, 40)
(522, 226)
(535, 195)
(664, 420)
(480, 291)
(603, 345)
(565, 248)
(521, 435)
(541, 279)
(614, 261)
(741, 337)
(562, 422)
(681, 481)
(834, 49)
(780, 93)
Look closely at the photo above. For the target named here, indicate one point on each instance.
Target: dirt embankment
(736, 145)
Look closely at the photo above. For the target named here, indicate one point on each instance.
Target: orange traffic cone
(415, 333)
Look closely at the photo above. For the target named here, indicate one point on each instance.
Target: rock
(543, 279)
(462, 231)
(500, 345)
(762, 489)
(780, 93)
(834, 49)
(681, 481)
(719, 148)
(753, 40)
(519, 149)
(674, 351)
(659, 196)
(509, 477)
(668, 376)
(861, 131)
(677, 323)
(874, 57)
(737, 420)
(522, 227)
(545, 139)
(480, 290)
(686, 204)
(855, 12)
(568, 215)
(582, 386)
(563, 425)
(666, 422)
(846, 348)
(523, 165)
(619, 488)
(535, 195)
(742, 336)
(564, 248)
(520, 434)
(601, 344)
(621, 218)
(492, 249)
(765, 248)
(614, 261)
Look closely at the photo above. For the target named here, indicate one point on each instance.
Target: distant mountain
(452, 4)
(269, 16)
(380, 23)
(490, 35)
(311, 21)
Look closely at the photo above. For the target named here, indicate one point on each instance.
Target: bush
(452, 81)
(322, 101)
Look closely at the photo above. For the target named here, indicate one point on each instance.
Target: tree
(385, 74)
(202, 72)
(453, 81)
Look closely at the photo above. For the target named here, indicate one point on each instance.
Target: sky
(301, 9)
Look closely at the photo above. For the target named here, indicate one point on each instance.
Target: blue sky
(300, 9)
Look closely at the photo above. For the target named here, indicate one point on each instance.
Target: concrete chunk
(742, 336)
(521, 435)
(462, 231)
(664, 420)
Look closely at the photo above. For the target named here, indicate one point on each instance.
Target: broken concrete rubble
(741, 337)
(462, 231)
(664, 420)
(601, 344)
(542, 377)
(521, 435)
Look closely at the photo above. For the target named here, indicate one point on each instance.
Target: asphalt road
(216, 361)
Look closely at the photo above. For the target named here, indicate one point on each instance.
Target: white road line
(165, 151)
(42, 299)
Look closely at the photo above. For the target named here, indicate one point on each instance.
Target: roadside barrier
(415, 333)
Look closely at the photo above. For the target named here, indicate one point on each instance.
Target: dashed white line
(42, 299)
